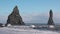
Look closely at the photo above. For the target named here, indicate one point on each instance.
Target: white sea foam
(23, 30)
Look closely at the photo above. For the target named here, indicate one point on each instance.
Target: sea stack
(50, 21)
(14, 18)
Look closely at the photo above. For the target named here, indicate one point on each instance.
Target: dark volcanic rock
(14, 18)
(1, 25)
(50, 21)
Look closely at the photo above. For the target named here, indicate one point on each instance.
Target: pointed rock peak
(50, 10)
(16, 6)
(50, 13)
(15, 10)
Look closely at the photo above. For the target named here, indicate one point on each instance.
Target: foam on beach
(24, 30)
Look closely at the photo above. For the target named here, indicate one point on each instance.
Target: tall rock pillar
(14, 18)
(50, 21)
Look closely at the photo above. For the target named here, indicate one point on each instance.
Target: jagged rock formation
(14, 18)
(50, 21)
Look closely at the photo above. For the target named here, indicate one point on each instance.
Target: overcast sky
(32, 11)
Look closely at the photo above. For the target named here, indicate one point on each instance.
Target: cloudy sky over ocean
(32, 11)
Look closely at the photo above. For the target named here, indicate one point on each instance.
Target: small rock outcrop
(50, 21)
(14, 18)
(1, 25)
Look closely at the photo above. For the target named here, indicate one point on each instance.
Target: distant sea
(39, 24)
(28, 24)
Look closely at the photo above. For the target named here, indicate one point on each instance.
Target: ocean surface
(27, 29)
(57, 26)
(24, 30)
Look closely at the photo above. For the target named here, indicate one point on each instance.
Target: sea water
(57, 27)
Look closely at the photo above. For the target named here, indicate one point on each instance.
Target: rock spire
(50, 21)
(14, 18)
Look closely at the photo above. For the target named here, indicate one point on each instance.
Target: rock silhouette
(50, 21)
(1, 25)
(14, 18)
